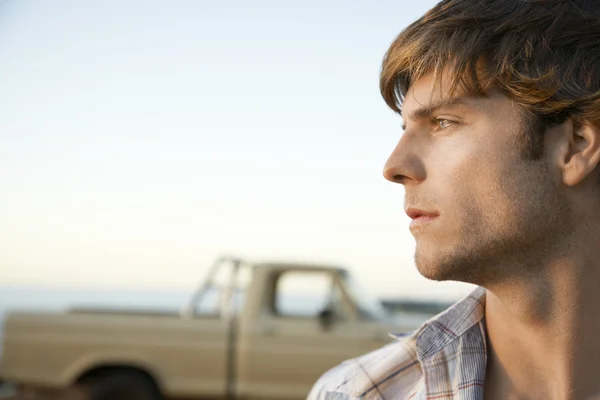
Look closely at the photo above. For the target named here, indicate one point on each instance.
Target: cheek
(458, 167)
(470, 179)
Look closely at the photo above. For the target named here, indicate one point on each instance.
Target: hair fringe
(545, 55)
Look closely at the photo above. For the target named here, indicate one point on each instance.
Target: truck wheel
(126, 385)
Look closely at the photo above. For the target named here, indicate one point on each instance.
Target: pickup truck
(250, 331)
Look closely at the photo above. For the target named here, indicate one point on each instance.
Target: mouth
(421, 217)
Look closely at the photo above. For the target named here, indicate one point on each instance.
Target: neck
(543, 328)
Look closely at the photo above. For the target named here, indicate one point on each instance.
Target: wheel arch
(95, 367)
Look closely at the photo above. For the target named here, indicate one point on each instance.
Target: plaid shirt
(444, 359)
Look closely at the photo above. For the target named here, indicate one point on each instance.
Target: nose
(404, 165)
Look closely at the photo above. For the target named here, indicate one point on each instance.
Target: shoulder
(393, 369)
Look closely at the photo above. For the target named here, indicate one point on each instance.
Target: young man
(499, 161)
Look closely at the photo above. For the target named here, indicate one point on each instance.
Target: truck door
(305, 328)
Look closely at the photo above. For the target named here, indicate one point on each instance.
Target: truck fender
(90, 362)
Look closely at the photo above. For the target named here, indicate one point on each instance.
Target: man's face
(478, 206)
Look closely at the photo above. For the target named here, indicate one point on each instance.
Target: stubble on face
(501, 212)
(506, 233)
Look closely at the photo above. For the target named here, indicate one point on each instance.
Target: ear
(581, 152)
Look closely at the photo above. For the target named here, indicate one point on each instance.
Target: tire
(124, 385)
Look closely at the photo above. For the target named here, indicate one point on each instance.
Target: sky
(140, 140)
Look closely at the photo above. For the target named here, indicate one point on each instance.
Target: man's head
(501, 106)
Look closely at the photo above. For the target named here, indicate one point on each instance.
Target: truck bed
(124, 311)
(53, 348)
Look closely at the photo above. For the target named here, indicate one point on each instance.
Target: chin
(435, 272)
(435, 267)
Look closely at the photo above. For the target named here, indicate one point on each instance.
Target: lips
(415, 213)
(420, 218)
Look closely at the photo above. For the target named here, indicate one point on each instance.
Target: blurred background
(140, 140)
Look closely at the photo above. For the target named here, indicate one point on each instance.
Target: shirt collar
(441, 330)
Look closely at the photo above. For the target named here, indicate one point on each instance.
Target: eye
(443, 123)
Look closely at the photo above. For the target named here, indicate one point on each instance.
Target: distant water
(43, 299)
(54, 299)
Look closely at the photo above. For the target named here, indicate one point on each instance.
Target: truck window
(301, 294)
(220, 293)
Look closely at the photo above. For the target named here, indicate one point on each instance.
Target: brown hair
(544, 54)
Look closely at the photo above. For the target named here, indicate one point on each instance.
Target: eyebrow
(428, 110)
